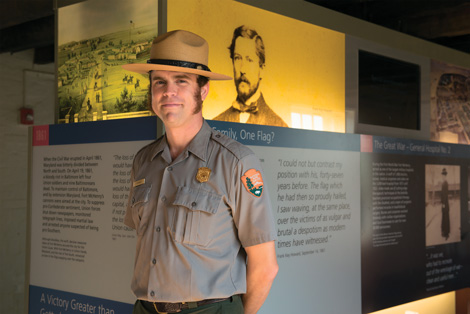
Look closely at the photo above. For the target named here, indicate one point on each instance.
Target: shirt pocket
(140, 207)
(194, 215)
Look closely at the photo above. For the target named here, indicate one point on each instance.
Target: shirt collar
(197, 146)
(160, 146)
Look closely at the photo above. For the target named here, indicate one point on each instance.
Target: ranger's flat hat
(179, 51)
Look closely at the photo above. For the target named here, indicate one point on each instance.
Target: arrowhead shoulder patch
(253, 182)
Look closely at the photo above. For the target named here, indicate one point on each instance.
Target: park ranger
(198, 202)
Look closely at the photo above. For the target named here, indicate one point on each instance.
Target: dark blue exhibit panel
(122, 130)
(48, 301)
(406, 254)
(419, 148)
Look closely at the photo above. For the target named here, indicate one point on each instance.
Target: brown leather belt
(161, 307)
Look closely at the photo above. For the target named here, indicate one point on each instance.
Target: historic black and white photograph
(442, 204)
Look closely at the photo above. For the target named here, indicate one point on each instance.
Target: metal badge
(203, 174)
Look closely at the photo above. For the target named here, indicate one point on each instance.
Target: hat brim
(144, 68)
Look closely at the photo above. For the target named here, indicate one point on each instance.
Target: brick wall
(18, 76)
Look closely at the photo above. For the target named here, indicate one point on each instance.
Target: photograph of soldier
(442, 204)
(445, 220)
(468, 196)
(248, 55)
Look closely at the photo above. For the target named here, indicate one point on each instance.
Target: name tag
(137, 183)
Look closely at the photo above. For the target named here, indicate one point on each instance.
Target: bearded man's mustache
(243, 79)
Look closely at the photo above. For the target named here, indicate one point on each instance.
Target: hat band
(182, 64)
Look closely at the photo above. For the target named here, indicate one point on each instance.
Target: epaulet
(237, 149)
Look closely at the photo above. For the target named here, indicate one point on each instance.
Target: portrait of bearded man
(248, 55)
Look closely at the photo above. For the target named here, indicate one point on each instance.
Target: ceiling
(445, 22)
(29, 24)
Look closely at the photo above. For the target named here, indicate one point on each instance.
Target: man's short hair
(202, 80)
(246, 32)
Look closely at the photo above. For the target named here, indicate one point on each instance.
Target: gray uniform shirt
(192, 227)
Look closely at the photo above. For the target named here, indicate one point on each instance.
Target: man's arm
(260, 273)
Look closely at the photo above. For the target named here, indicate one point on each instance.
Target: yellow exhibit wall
(305, 64)
(439, 304)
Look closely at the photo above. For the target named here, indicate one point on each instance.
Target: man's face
(246, 68)
(177, 98)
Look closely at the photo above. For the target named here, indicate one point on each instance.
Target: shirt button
(163, 199)
(170, 168)
(158, 229)
(152, 294)
(154, 261)
(217, 135)
(193, 204)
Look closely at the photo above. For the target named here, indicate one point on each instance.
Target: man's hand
(260, 273)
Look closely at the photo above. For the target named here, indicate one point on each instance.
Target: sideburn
(198, 100)
(149, 99)
(149, 94)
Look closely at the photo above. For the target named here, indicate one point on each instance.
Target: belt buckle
(173, 307)
(168, 308)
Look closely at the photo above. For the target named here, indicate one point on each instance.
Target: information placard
(81, 252)
(414, 220)
(313, 181)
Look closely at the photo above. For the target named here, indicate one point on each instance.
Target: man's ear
(205, 91)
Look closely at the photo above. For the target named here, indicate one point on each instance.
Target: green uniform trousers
(233, 305)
